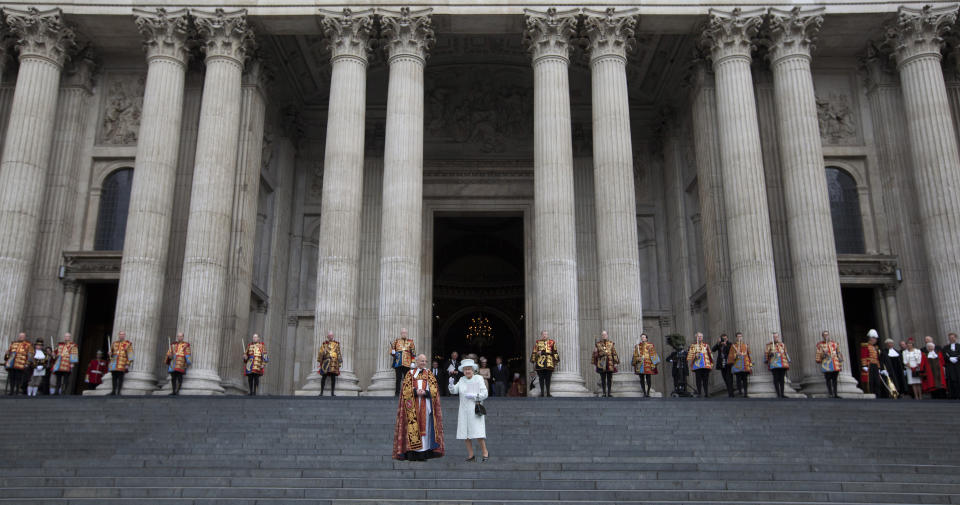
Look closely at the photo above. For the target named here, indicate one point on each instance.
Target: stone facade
(289, 163)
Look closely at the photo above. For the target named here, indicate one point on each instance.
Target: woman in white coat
(472, 389)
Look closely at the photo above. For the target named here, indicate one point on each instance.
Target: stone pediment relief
(838, 124)
(120, 119)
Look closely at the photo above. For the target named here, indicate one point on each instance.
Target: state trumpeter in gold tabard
(700, 360)
(121, 357)
(645, 361)
(777, 358)
(179, 358)
(403, 353)
(831, 362)
(65, 356)
(741, 364)
(545, 358)
(255, 359)
(605, 359)
(330, 360)
(17, 362)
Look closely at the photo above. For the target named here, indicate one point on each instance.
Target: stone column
(729, 39)
(610, 36)
(408, 37)
(548, 37)
(892, 310)
(143, 268)
(710, 189)
(67, 309)
(226, 40)
(813, 255)
(936, 163)
(338, 257)
(43, 42)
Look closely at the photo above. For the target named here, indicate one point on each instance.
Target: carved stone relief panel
(122, 106)
(838, 109)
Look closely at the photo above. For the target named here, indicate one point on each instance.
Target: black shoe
(485, 458)
(471, 459)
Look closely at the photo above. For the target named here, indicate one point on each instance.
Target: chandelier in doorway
(479, 331)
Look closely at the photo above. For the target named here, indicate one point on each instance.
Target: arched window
(112, 217)
(845, 211)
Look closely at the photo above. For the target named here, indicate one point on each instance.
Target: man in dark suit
(722, 348)
(501, 377)
(951, 362)
(451, 370)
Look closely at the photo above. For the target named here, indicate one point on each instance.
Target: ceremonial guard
(402, 352)
(255, 361)
(64, 358)
(951, 352)
(330, 359)
(38, 364)
(831, 362)
(17, 362)
(121, 357)
(95, 370)
(777, 358)
(645, 361)
(741, 365)
(934, 376)
(722, 348)
(179, 358)
(870, 365)
(545, 358)
(418, 433)
(700, 360)
(605, 359)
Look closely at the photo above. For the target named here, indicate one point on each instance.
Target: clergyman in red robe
(419, 431)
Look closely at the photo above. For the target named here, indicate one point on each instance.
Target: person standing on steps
(179, 358)
(95, 370)
(501, 377)
(934, 380)
(471, 426)
(740, 363)
(255, 361)
(892, 361)
(645, 361)
(870, 365)
(402, 353)
(777, 358)
(545, 358)
(450, 369)
(16, 361)
(913, 367)
(330, 359)
(38, 367)
(700, 360)
(722, 348)
(830, 358)
(65, 358)
(951, 355)
(418, 433)
(121, 357)
(605, 359)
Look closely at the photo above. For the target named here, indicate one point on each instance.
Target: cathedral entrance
(860, 313)
(96, 325)
(478, 288)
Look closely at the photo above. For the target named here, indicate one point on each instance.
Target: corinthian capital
(407, 33)
(731, 34)
(919, 32)
(549, 33)
(224, 34)
(164, 33)
(792, 33)
(610, 33)
(41, 34)
(348, 33)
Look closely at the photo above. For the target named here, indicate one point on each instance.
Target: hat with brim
(468, 363)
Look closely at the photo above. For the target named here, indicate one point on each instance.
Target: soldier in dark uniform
(722, 348)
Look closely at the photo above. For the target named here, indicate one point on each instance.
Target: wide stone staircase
(283, 450)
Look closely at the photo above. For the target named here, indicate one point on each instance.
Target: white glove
(470, 396)
(953, 359)
(884, 373)
(392, 351)
(451, 381)
(866, 369)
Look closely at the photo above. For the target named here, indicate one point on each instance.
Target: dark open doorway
(860, 313)
(478, 288)
(96, 322)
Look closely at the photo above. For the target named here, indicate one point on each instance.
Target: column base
(567, 384)
(200, 383)
(762, 387)
(814, 386)
(347, 385)
(235, 387)
(383, 383)
(627, 385)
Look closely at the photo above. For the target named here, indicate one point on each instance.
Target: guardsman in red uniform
(64, 358)
(330, 359)
(870, 364)
(16, 361)
(255, 361)
(179, 358)
(831, 362)
(645, 361)
(545, 358)
(700, 360)
(95, 370)
(605, 358)
(121, 357)
(403, 352)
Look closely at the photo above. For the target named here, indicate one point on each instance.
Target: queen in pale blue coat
(472, 389)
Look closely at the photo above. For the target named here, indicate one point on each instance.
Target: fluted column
(610, 36)
(143, 268)
(43, 42)
(408, 37)
(713, 227)
(226, 40)
(548, 37)
(933, 146)
(729, 39)
(813, 254)
(338, 268)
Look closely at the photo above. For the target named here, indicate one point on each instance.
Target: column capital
(348, 33)
(876, 69)
(407, 33)
(731, 34)
(41, 34)
(918, 33)
(224, 34)
(609, 33)
(256, 72)
(81, 70)
(164, 33)
(548, 34)
(792, 32)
